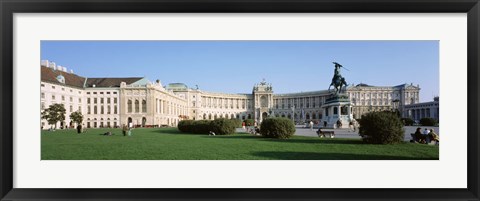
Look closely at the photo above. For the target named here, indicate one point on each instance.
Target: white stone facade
(112, 102)
(423, 110)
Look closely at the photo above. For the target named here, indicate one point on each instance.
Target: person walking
(79, 128)
(311, 125)
(124, 129)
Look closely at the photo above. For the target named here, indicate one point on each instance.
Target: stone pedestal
(337, 107)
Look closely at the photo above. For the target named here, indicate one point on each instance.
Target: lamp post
(293, 113)
(395, 106)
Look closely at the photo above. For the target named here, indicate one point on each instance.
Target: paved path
(347, 133)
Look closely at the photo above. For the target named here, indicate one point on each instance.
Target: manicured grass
(170, 144)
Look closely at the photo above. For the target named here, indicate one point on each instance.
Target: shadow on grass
(171, 131)
(279, 155)
(312, 140)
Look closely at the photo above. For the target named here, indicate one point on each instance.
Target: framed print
(152, 100)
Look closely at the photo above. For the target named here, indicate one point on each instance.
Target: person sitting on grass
(418, 136)
(433, 136)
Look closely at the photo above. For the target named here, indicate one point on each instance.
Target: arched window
(144, 106)
(129, 103)
(204, 116)
(209, 116)
(264, 101)
(137, 106)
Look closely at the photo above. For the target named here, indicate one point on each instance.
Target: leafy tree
(54, 114)
(76, 117)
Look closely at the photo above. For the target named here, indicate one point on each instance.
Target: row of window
(102, 100)
(63, 88)
(88, 93)
(62, 98)
(70, 107)
(137, 106)
(102, 109)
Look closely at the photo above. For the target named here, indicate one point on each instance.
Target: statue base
(337, 108)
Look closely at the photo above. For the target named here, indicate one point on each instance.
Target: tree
(77, 117)
(54, 114)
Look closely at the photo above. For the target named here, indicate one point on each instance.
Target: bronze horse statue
(338, 82)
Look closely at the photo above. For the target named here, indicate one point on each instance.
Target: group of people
(126, 130)
(425, 137)
(251, 129)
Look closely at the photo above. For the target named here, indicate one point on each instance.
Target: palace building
(112, 102)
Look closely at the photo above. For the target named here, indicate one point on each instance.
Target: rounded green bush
(408, 121)
(223, 126)
(280, 127)
(238, 122)
(381, 128)
(428, 122)
(196, 127)
(185, 125)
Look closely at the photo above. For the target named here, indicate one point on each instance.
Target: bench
(321, 133)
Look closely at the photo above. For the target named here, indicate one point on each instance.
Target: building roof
(110, 82)
(50, 75)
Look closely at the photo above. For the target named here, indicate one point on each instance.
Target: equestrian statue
(338, 82)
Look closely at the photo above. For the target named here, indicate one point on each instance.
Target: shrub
(381, 128)
(201, 126)
(408, 121)
(278, 127)
(237, 122)
(223, 126)
(428, 122)
(196, 127)
(185, 125)
(249, 122)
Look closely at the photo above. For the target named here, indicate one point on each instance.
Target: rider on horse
(337, 81)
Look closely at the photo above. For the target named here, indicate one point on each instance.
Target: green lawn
(170, 144)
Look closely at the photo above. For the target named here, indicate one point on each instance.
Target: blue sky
(235, 66)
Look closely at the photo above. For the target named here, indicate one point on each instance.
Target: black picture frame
(10, 7)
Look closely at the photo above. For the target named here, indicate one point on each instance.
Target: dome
(177, 86)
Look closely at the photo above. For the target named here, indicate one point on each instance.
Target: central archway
(264, 115)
